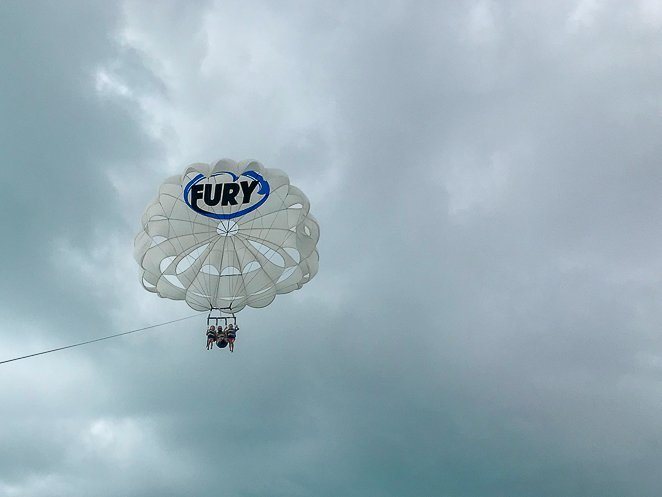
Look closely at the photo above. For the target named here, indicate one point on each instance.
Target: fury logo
(228, 197)
(205, 194)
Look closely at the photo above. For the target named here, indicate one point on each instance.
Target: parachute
(227, 236)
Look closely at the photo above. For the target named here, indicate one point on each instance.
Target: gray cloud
(485, 319)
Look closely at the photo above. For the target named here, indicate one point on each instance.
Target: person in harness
(221, 338)
(212, 336)
(231, 334)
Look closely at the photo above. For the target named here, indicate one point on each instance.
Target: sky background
(487, 317)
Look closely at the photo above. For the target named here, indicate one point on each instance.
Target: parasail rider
(231, 334)
(211, 337)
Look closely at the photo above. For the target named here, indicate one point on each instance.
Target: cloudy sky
(487, 319)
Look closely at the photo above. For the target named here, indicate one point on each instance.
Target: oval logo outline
(264, 190)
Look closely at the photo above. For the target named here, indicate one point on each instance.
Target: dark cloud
(58, 142)
(485, 319)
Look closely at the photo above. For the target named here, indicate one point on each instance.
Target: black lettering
(229, 193)
(247, 189)
(216, 198)
(196, 194)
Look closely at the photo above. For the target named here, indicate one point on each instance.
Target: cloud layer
(485, 320)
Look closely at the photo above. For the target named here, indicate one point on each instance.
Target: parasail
(227, 236)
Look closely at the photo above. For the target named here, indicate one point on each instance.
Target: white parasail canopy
(227, 236)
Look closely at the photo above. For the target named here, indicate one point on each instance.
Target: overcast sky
(487, 319)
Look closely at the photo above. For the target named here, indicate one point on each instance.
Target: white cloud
(482, 23)
(472, 185)
(585, 14)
